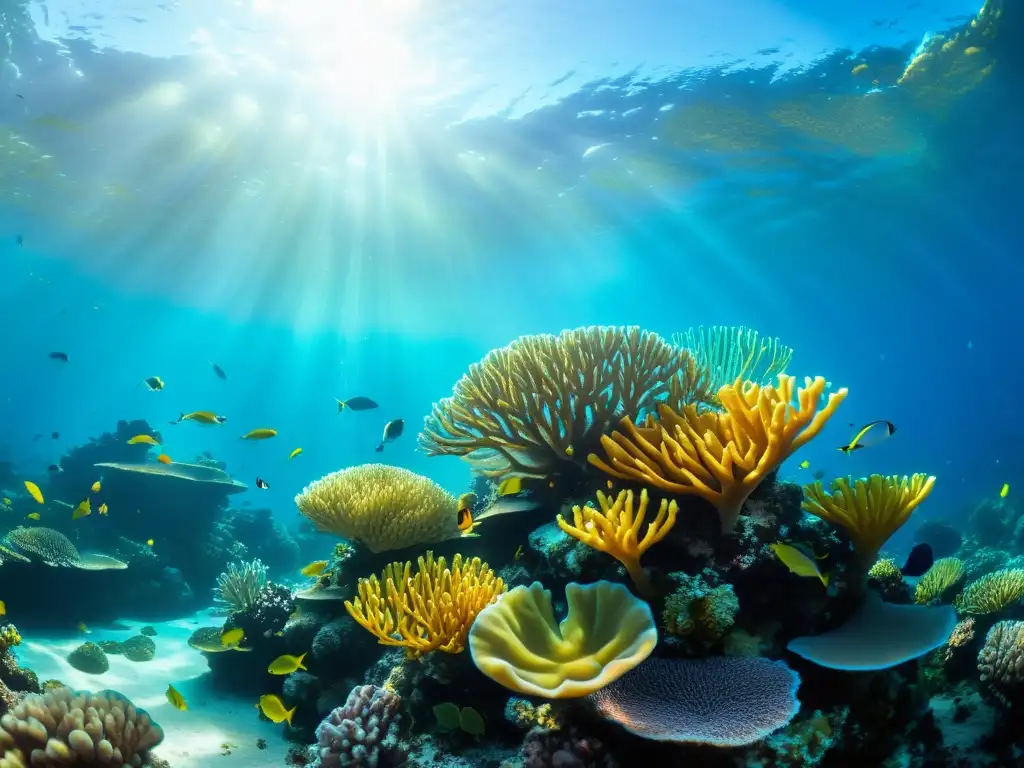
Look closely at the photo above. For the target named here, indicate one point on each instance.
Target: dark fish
(54, 468)
(262, 484)
(919, 560)
(218, 370)
(37, 436)
(20, 96)
(356, 404)
(55, 436)
(19, 240)
(62, 356)
(870, 434)
(392, 431)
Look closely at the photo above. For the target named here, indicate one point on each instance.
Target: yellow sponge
(606, 632)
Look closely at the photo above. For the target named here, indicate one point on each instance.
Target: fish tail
(289, 715)
(825, 578)
(300, 664)
(847, 449)
(379, 448)
(341, 405)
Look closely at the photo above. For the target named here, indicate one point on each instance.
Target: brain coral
(62, 727)
(722, 701)
(1001, 660)
(381, 507)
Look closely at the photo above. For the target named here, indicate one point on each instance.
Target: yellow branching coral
(720, 456)
(992, 593)
(543, 402)
(944, 574)
(381, 507)
(870, 510)
(734, 352)
(616, 530)
(431, 610)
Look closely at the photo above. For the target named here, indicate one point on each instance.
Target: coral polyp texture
(992, 593)
(719, 700)
(945, 574)
(52, 547)
(870, 510)
(381, 507)
(730, 352)
(429, 610)
(606, 632)
(1001, 660)
(363, 732)
(239, 586)
(618, 529)
(720, 456)
(62, 727)
(545, 401)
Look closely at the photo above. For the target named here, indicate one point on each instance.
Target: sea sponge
(89, 658)
(992, 593)
(730, 352)
(62, 727)
(381, 507)
(427, 611)
(944, 575)
(725, 701)
(870, 510)
(615, 530)
(541, 404)
(363, 732)
(606, 632)
(720, 456)
(138, 648)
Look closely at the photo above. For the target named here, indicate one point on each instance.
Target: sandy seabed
(193, 739)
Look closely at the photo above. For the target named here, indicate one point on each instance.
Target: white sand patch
(193, 738)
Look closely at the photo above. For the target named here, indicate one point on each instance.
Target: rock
(148, 631)
(89, 658)
(139, 648)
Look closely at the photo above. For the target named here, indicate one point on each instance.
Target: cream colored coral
(381, 507)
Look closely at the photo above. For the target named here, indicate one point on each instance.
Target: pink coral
(363, 733)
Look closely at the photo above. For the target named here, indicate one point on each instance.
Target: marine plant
(616, 530)
(870, 510)
(429, 610)
(945, 574)
(729, 352)
(720, 456)
(239, 587)
(381, 507)
(540, 405)
(992, 593)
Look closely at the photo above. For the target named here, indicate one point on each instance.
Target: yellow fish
(858, 69)
(32, 515)
(149, 542)
(315, 568)
(95, 487)
(147, 439)
(510, 486)
(971, 50)
(263, 433)
(202, 417)
(84, 508)
(103, 509)
(33, 491)
(570, 451)
(1005, 491)
(7, 502)
(805, 464)
(154, 383)
(286, 664)
(163, 458)
(232, 636)
(3, 608)
(176, 699)
(870, 434)
(294, 453)
(271, 705)
(800, 560)
(82, 628)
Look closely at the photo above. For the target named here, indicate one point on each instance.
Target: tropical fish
(392, 431)
(217, 370)
(32, 515)
(262, 484)
(919, 560)
(870, 434)
(232, 636)
(569, 451)
(858, 69)
(507, 506)
(33, 491)
(465, 519)
(149, 542)
(80, 626)
(54, 468)
(294, 453)
(103, 509)
(511, 486)
(147, 439)
(315, 568)
(3, 608)
(1004, 491)
(153, 383)
(271, 705)
(62, 356)
(84, 508)
(263, 433)
(96, 487)
(176, 699)
(163, 458)
(356, 404)
(7, 502)
(55, 435)
(805, 464)
(286, 664)
(201, 417)
(800, 560)
(971, 50)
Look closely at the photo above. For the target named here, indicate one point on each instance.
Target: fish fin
(341, 405)
(299, 664)
(847, 449)
(379, 448)
(289, 715)
(825, 578)
(821, 557)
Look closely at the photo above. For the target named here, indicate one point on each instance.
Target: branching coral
(730, 352)
(531, 407)
(992, 593)
(720, 456)
(870, 510)
(62, 727)
(1001, 660)
(431, 610)
(364, 732)
(239, 586)
(381, 507)
(616, 530)
(944, 575)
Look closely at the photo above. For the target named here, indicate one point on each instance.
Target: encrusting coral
(381, 507)
(720, 456)
(606, 632)
(945, 574)
(545, 401)
(431, 610)
(731, 352)
(62, 727)
(992, 593)
(616, 530)
(870, 510)
(1001, 660)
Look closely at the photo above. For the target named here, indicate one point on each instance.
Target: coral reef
(992, 593)
(698, 612)
(138, 648)
(729, 353)
(89, 658)
(364, 732)
(1001, 660)
(945, 574)
(543, 748)
(239, 587)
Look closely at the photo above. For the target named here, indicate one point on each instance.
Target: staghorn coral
(364, 733)
(239, 587)
(730, 352)
(427, 611)
(1001, 660)
(870, 510)
(615, 530)
(381, 507)
(992, 593)
(62, 727)
(698, 611)
(543, 402)
(944, 575)
(720, 456)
